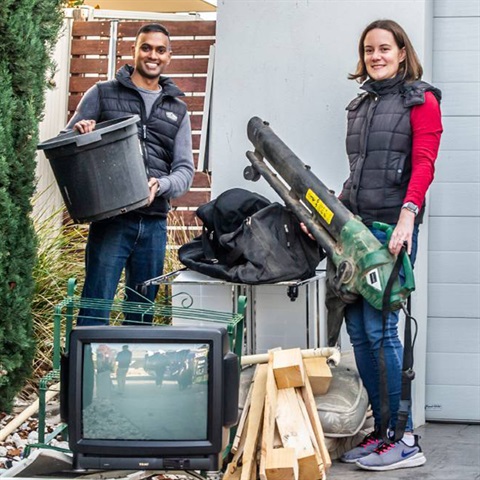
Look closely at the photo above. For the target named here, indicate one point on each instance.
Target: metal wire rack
(147, 312)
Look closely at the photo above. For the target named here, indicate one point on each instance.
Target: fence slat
(194, 104)
(192, 198)
(89, 65)
(186, 84)
(84, 46)
(91, 29)
(188, 28)
(82, 84)
(179, 47)
(177, 65)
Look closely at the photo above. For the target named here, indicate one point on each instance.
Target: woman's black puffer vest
(157, 132)
(379, 147)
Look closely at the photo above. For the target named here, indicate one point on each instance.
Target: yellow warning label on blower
(319, 206)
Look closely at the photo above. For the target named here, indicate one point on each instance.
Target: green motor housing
(364, 265)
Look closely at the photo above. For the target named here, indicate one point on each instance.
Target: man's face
(151, 54)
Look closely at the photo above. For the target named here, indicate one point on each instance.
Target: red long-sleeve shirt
(426, 122)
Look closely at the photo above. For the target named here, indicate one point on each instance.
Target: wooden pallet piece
(282, 464)
(268, 431)
(243, 419)
(289, 368)
(311, 407)
(295, 434)
(255, 421)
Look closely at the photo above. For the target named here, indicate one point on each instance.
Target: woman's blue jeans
(132, 242)
(365, 328)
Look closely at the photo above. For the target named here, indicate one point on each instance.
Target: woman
(393, 136)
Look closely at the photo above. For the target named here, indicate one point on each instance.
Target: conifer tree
(28, 32)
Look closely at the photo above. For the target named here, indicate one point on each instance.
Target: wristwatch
(411, 207)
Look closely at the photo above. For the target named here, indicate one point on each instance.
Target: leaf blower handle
(408, 285)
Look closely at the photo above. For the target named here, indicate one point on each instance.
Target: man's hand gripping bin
(364, 266)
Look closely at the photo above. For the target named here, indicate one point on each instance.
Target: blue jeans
(365, 328)
(132, 242)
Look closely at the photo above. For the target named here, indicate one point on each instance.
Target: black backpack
(247, 239)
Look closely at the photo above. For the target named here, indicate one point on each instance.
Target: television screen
(149, 397)
(146, 391)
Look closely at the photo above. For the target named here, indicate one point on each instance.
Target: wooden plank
(82, 46)
(319, 374)
(202, 180)
(186, 84)
(191, 198)
(196, 121)
(194, 104)
(89, 65)
(195, 141)
(255, 420)
(311, 406)
(91, 29)
(288, 368)
(233, 473)
(309, 425)
(175, 28)
(191, 84)
(268, 431)
(82, 84)
(243, 419)
(232, 467)
(73, 101)
(295, 434)
(177, 65)
(282, 464)
(179, 47)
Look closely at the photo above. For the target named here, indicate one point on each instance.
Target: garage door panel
(461, 133)
(455, 199)
(457, 166)
(456, 34)
(453, 335)
(447, 66)
(447, 234)
(461, 369)
(454, 267)
(453, 300)
(456, 8)
(460, 98)
(444, 402)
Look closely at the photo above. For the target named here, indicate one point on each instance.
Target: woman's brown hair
(411, 68)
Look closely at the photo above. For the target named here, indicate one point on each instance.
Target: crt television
(149, 397)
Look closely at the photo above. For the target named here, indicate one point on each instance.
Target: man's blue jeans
(132, 242)
(365, 328)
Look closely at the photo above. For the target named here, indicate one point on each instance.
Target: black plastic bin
(100, 174)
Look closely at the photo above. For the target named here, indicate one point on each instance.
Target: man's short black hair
(152, 27)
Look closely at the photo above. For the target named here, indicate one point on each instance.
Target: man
(123, 359)
(137, 240)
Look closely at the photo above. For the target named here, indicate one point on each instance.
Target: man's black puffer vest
(119, 98)
(379, 147)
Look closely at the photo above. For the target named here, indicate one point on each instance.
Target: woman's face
(381, 54)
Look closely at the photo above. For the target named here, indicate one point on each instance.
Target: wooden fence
(99, 48)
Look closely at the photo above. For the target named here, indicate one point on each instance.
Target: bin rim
(71, 137)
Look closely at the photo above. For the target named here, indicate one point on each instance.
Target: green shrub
(28, 32)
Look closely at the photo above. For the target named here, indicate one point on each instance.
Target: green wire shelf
(161, 314)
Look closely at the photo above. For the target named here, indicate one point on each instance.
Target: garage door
(453, 345)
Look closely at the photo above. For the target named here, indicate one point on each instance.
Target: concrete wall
(287, 62)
